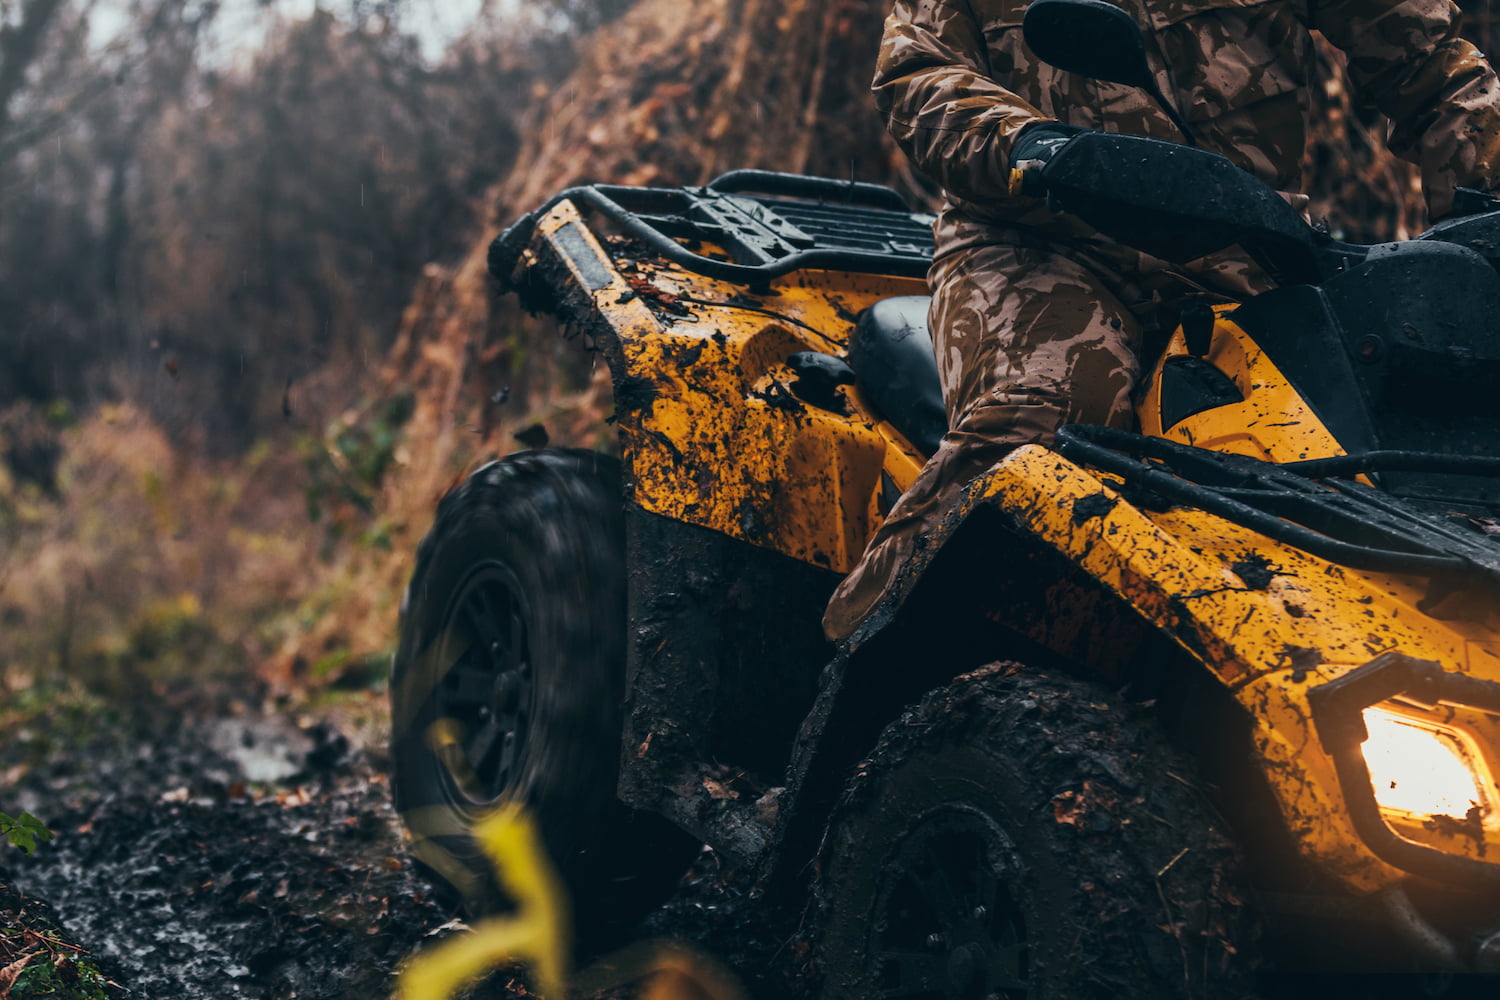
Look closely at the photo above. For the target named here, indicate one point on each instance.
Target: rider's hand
(1034, 147)
(1466, 201)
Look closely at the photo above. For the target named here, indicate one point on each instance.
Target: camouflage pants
(1027, 340)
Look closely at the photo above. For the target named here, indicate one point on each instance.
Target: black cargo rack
(769, 224)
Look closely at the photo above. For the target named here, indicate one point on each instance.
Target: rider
(1037, 319)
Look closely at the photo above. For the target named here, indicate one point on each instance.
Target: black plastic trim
(891, 352)
(1388, 460)
(1344, 522)
(1180, 203)
(722, 667)
(596, 273)
(1189, 386)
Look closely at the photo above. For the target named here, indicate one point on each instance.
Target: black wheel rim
(483, 702)
(946, 921)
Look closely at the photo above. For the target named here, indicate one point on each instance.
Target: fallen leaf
(654, 293)
(1089, 808)
(718, 790)
(12, 972)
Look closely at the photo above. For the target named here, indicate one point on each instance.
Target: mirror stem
(1166, 105)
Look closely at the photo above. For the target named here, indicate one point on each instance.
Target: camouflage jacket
(956, 82)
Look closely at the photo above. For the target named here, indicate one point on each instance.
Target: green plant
(348, 463)
(24, 831)
(67, 978)
(43, 962)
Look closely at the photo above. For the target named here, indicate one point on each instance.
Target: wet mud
(239, 857)
(241, 854)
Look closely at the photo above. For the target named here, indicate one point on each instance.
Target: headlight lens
(1421, 768)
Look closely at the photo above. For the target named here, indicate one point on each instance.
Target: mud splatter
(1254, 569)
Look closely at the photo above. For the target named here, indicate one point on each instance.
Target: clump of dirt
(761, 941)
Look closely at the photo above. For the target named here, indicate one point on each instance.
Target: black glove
(1469, 201)
(1034, 147)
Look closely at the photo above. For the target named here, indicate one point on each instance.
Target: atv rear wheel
(508, 682)
(1017, 836)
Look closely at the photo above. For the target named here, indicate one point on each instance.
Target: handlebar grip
(1026, 179)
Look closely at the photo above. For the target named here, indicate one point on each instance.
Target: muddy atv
(1149, 707)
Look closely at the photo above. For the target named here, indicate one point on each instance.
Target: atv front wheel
(507, 686)
(1016, 836)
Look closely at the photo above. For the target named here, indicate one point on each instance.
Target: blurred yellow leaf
(665, 970)
(537, 934)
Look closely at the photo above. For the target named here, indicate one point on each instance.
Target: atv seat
(893, 361)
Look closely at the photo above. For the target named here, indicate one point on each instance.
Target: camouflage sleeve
(1406, 57)
(939, 102)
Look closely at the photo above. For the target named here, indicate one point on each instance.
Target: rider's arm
(931, 85)
(1441, 95)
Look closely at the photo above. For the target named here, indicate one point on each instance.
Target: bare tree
(20, 44)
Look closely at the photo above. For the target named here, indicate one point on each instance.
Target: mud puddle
(237, 857)
(244, 855)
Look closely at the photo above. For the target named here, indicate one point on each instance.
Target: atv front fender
(1271, 623)
(747, 495)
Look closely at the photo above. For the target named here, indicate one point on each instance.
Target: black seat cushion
(893, 360)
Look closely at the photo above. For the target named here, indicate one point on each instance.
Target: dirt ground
(240, 855)
(217, 850)
(215, 846)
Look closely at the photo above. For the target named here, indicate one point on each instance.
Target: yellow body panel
(717, 437)
(1273, 423)
(1313, 623)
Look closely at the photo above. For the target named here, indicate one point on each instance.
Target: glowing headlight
(1421, 768)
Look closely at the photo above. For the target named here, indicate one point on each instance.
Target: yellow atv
(1137, 685)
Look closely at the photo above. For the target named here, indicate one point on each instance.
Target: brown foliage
(667, 99)
(1358, 187)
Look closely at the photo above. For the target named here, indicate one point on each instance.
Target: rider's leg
(1026, 341)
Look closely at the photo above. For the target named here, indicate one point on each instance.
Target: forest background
(246, 338)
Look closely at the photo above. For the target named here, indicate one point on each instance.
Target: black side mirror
(1088, 37)
(1095, 39)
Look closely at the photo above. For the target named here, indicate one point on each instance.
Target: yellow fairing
(1314, 621)
(716, 435)
(1272, 423)
(1269, 642)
